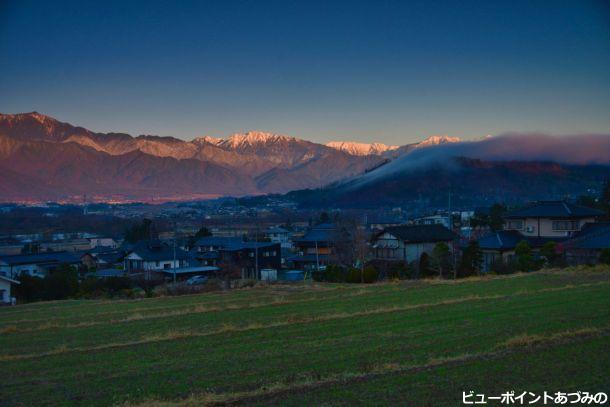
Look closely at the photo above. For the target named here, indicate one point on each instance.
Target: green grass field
(414, 343)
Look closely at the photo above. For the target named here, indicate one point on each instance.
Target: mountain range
(42, 158)
(509, 168)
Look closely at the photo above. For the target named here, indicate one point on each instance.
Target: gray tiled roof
(553, 209)
(154, 250)
(420, 233)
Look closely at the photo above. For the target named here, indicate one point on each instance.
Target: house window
(564, 225)
(515, 224)
(383, 253)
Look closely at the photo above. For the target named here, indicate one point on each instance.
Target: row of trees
(65, 282)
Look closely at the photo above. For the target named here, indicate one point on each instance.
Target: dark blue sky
(380, 70)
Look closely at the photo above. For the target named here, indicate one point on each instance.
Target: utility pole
(317, 258)
(174, 262)
(256, 251)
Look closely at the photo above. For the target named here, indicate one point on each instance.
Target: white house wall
(5, 291)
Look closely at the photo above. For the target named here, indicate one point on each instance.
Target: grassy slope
(409, 342)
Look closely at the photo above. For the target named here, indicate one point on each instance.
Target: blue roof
(592, 236)
(553, 209)
(218, 241)
(249, 245)
(509, 239)
(501, 240)
(319, 233)
(37, 258)
(189, 270)
(155, 250)
(210, 255)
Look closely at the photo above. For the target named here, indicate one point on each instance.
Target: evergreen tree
(472, 260)
(523, 254)
(441, 258)
(142, 231)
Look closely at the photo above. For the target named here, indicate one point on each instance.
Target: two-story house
(538, 223)
(250, 257)
(407, 243)
(315, 249)
(36, 265)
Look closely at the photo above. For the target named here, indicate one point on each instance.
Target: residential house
(106, 242)
(102, 257)
(380, 222)
(279, 235)
(407, 243)
(537, 224)
(443, 220)
(65, 245)
(250, 257)
(5, 289)
(586, 245)
(36, 265)
(315, 249)
(150, 257)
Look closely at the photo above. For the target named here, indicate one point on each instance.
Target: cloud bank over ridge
(577, 149)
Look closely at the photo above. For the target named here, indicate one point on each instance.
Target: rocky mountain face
(356, 148)
(43, 158)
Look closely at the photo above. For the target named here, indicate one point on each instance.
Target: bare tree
(351, 244)
(229, 268)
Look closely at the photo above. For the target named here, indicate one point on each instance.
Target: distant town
(53, 251)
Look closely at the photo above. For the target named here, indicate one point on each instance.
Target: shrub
(424, 266)
(92, 287)
(604, 256)
(370, 274)
(30, 289)
(501, 267)
(338, 274)
(61, 283)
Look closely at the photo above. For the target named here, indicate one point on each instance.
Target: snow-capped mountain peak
(357, 148)
(253, 138)
(208, 140)
(436, 140)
